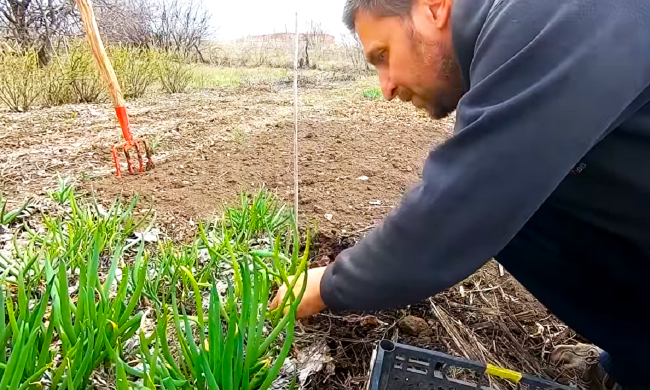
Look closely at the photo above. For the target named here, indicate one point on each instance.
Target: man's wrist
(328, 294)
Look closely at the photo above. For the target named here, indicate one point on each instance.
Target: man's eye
(382, 57)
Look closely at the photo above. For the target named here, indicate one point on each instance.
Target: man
(548, 170)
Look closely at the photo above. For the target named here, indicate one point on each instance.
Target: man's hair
(376, 7)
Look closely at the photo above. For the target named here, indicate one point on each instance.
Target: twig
(444, 320)
(365, 229)
(482, 289)
(526, 359)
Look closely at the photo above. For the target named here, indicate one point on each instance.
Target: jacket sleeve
(547, 83)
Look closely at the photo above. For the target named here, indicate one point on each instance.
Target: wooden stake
(295, 136)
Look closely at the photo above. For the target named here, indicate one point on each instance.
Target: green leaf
(279, 361)
(187, 359)
(3, 325)
(215, 331)
(64, 305)
(83, 372)
(261, 292)
(18, 371)
(135, 298)
(45, 358)
(112, 271)
(168, 384)
(121, 382)
(23, 311)
(197, 295)
(161, 330)
(228, 353)
(209, 376)
(34, 379)
(13, 359)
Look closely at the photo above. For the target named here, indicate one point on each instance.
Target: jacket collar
(467, 20)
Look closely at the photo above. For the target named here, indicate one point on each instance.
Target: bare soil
(357, 157)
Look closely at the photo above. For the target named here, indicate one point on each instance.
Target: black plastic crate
(397, 367)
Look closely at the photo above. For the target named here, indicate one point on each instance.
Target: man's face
(414, 56)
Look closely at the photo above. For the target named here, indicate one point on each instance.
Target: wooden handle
(96, 45)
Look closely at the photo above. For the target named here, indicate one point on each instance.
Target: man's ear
(432, 13)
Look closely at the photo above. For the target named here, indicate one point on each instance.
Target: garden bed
(358, 156)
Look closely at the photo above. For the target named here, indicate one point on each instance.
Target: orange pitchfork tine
(108, 74)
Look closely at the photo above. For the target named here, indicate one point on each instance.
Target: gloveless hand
(311, 303)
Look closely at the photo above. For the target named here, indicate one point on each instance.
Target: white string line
(295, 136)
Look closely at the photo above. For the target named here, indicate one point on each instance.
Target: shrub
(135, 69)
(19, 80)
(57, 89)
(83, 75)
(174, 73)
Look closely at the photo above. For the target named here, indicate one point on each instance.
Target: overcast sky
(236, 18)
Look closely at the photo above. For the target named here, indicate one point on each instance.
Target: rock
(371, 321)
(413, 325)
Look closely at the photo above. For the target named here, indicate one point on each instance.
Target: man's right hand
(311, 303)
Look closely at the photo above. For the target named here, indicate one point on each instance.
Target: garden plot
(358, 155)
(94, 297)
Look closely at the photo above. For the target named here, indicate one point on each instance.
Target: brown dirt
(210, 145)
(495, 320)
(214, 144)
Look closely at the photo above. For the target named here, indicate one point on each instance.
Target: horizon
(234, 20)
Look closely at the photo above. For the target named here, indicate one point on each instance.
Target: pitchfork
(108, 74)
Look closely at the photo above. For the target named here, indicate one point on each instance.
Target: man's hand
(311, 302)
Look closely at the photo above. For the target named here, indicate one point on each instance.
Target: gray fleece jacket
(556, 106)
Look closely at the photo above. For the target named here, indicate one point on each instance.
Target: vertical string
(295, 136)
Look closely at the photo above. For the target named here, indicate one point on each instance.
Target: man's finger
(278, 298)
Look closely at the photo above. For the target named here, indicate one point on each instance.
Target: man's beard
(444, 100)
(442, 106)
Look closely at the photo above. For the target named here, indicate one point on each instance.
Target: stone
(413, 325)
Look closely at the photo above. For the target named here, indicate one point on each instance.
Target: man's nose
(388, 88)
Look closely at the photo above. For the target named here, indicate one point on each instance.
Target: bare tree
(181, 26)
(315, 40)
(35, 23)
(354, 51)
(126, 21)
(174, 25)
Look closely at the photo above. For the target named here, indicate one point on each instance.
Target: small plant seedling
(155, 142)
(65, 190)
(239, 135)
(9, 216)
(374, 93)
